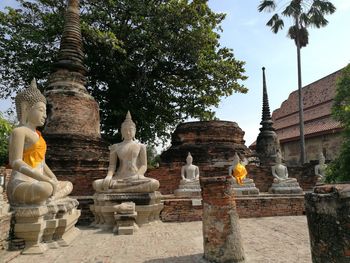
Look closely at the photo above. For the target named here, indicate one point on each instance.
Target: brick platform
(264, 205)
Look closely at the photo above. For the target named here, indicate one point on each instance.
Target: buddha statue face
(189, 159)
(321, 159)
(128, 129)
(278, 158)
(37, 114)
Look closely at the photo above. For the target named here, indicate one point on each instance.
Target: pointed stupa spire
(266, 121)
(71, 54)
(267, 144)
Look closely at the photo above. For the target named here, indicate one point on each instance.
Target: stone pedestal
(221, 233)
(46, 226)
(328, 217)
(286, 188)
(148, 207)
(189, 190)
(125, 224)
(67, 216)
(248, 188)
(30, 226)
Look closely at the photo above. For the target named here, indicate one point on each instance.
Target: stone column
(328, 217)
(221, 233)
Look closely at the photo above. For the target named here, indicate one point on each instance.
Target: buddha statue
(238, 170)
(131, 159)
(189, 172)
(31, 182)
(320, 168)
(189, 184)
(280, 172)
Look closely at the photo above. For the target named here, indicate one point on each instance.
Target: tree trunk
(301, 106)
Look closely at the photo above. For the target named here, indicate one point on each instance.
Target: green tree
(5, 130)
(160, 59)
(339, 169)
(304, 14)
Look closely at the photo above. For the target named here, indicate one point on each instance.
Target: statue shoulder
(113, 147)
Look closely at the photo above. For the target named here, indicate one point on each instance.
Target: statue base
(285, 188)
(247, 188)
(188, 190)
(46, 226)
(147, 207)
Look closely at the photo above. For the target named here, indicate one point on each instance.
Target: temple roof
(318, 99)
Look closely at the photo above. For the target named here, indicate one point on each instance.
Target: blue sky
(253, 42)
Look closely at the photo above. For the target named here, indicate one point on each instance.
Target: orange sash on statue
(239, 173)
(35, 154)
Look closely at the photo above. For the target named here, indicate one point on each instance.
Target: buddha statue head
(128, 128)
(189, 159)
(278, 158)
(27, 101)
(321, 158)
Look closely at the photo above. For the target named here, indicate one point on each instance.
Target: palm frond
(276, 23)
(325, 7)
(267, 5)
(293, 9)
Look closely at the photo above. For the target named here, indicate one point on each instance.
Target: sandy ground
(269, 239)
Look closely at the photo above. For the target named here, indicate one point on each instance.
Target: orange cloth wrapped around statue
(35, 154)
(239, 173)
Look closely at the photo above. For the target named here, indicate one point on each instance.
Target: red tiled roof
(316, 93)
(314, 127)
(317, 99)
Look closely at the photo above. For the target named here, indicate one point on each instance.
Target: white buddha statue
(189, 185)
(31, 182)
(320, 168)
(189, 172)
(127, 165)
(280, 172)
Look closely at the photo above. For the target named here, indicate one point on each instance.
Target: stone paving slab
(265, 240)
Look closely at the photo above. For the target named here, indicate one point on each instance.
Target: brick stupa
(76, 151)
(212, 144)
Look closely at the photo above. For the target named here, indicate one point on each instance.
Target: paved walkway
(269, 239)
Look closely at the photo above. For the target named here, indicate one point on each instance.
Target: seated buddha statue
(280, 172)
(31, 182)
(320, 168)
(238, 170)
(189, 172)
(127, 165)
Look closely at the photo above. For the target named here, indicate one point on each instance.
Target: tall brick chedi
(267, 143)
(75, 148)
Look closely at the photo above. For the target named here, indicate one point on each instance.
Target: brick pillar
(328, 217)
(221, 233)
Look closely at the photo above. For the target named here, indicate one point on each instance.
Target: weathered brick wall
(169, 176)
(269, 205)
(86, 216)
(181, 210)
(328, 216)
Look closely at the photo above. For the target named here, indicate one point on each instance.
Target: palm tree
(304, 14)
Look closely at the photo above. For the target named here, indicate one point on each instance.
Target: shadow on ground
(197, 258)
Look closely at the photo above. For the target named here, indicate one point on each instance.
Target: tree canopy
(339, 169)
(160, 59)
(5, 130)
